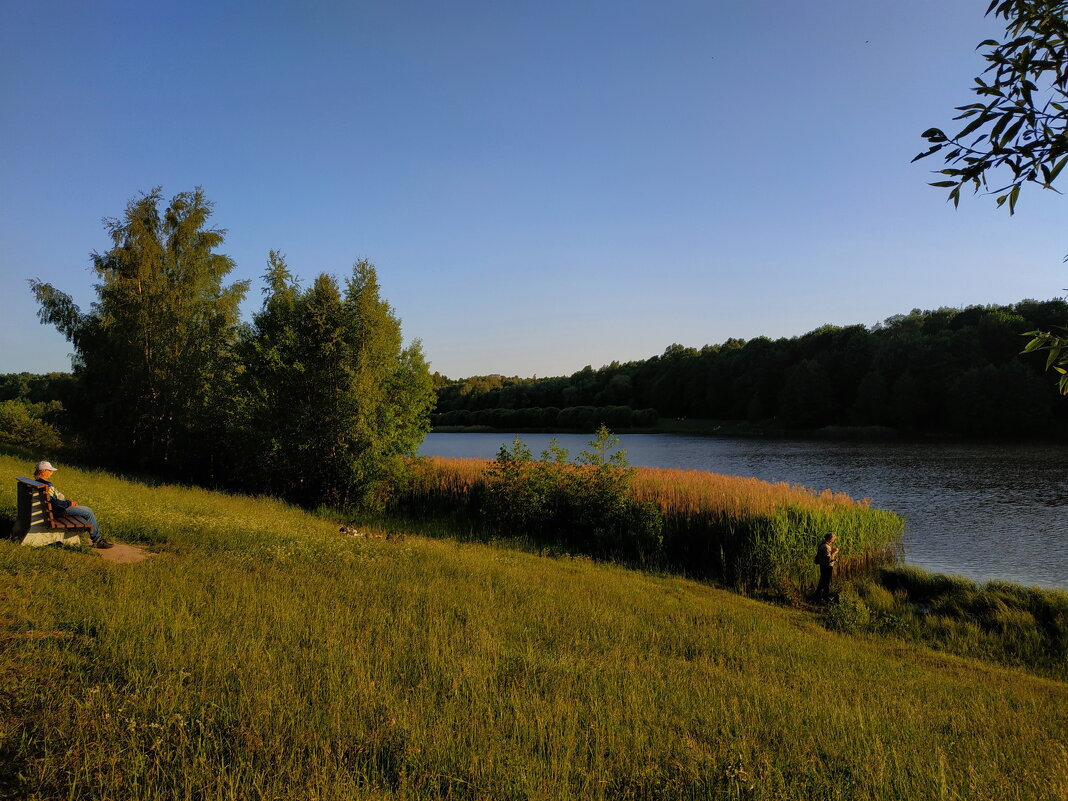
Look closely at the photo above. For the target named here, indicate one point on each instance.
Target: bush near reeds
(751, 534)
(585, 508)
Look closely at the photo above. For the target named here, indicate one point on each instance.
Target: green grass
(263, 656)
(999, 621)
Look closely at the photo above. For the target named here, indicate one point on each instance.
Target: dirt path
(124, 554)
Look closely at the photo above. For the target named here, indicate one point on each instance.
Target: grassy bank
(262, 655)
(999, 621)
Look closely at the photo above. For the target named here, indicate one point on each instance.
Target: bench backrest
(29, 492)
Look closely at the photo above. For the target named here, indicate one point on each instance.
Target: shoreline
(734, 429)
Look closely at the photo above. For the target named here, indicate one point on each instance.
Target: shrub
(586, 508)
(23, 425)
(745, 532)
(848, 613)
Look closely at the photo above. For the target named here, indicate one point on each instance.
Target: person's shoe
(102, 544)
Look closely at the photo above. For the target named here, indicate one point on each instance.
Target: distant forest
(948, 371)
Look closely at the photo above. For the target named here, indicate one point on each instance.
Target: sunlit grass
(1008, 623)
(263, 655)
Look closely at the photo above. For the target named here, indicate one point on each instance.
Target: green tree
(333, 402)
(272, 403)
(1020, 124)
(153, 355)
(805, 401)
(870, 407)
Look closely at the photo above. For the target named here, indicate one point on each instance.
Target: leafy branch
(1057, 358)
(1022, 117)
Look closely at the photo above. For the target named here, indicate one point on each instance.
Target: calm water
(982, 511)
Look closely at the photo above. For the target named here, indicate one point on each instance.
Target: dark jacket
(826, 554)
(55, 496)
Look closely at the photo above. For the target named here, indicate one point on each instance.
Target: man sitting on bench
(43, 471)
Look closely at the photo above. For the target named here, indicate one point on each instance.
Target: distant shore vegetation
(958, 372)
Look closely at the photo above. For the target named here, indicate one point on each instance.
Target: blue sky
(540, 185)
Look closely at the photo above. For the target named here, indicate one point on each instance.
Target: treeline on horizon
(954, 371)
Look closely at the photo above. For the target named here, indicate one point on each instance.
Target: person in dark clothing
(43, 471)
(826, 556)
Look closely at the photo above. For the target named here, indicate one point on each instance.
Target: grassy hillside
(262, 655)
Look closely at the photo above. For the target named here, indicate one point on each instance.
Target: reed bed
(758, 534)
(749, 533)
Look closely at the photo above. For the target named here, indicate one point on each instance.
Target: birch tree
(154, 353)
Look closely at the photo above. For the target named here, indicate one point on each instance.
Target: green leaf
(1036, 343)
(1057, 170)
(928, 152)
(1011, 133)
(974, 124)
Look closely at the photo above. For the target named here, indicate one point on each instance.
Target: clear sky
(540, 185)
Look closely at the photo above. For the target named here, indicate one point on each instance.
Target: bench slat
(72, 521)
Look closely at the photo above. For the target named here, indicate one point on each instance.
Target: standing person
(826, 556)
(43, 471)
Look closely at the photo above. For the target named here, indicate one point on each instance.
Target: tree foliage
(316, 400)
(1020, 124)
(331, 401)
(1018, 127)
(153, 355)
(914, 372)
(25, 425)
(1056, 347)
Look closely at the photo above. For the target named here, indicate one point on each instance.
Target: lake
(977, 510)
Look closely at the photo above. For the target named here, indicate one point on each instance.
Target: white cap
(42, 466)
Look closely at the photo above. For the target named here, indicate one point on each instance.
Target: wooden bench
(38, 523)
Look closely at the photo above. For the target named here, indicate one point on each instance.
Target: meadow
(261, 655)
